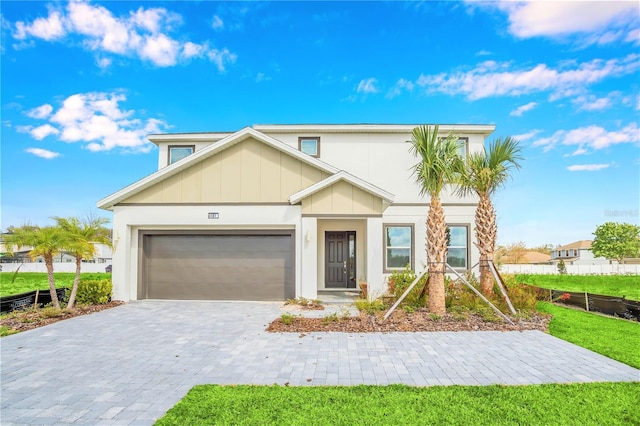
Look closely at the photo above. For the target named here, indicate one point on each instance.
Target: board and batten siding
(247, 172)
(342, 198)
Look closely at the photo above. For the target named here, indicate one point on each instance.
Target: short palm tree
(81, 236)
(438, 165)
(45, 241)
(485, 173)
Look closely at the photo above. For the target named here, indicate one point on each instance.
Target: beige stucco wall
(342, 198)
(247, 172)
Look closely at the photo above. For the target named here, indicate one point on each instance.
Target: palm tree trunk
(486, 231)
(436, 253)
(76, 281)
(48, 261)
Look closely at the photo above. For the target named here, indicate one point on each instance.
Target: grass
(611, 337)
(607, 285)
(589, 404)
(29, 281)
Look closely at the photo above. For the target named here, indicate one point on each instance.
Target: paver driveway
(130, 364)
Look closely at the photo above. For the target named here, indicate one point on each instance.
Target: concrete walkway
(130, 364)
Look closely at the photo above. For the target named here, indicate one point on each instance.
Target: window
(457, 249)
(178, 152)
(309, 145)
(398, 247)
(463, 148)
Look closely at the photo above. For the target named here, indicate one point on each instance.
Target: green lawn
(611, 337)
(29, 281)
(608, 285)
(572, 404)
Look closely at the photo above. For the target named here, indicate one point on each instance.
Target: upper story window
(463, 148)
(309, 145)
(178, 152)
(458, 247)
(398, 247)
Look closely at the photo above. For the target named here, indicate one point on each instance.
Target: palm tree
(484, 174)
(81, 236)
(45, 241)
(438, 165)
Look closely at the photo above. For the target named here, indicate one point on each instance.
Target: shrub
(287, 318)
(94, 292)
(399, 281)
(369, 306)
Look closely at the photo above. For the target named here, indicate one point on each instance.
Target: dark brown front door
(340, 259)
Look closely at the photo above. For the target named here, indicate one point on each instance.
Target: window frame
(466, 146)
(305, 138)
(467, 248)
(385, 268)
(193, 150)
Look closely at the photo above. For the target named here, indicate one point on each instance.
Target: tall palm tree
(45, 241)
(438, 165)
(81, 236)
(485, 173)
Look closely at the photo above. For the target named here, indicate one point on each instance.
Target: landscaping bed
(402, 321)
(29, 319)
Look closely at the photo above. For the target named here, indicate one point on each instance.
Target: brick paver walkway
(130, 364)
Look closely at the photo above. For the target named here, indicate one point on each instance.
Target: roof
(108, 202)
(342, 175)
(582, 244)
(529, 257)
(483, 129)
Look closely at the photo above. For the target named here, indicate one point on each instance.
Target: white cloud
(145, 34)
(594, 137)
(367, 86)
(596, 22)
(42, 111)
(42, 153)
(43, 131)
(522, 109)
(49, 28)
(217, 23)
(526, 136)
(399, 87)
(497, 79)
(587, 167)
(96, 120)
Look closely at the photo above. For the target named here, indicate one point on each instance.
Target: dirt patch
(34, 318)
(401, 321)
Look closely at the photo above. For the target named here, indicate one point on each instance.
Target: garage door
(220, 266)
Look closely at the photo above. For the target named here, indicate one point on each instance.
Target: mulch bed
(33, 318)
(401, 321)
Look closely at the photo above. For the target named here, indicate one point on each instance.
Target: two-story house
(576, 253)
(279, 211)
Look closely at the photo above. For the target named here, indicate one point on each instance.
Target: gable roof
(582, 244)
(341, 175)
(108, 202)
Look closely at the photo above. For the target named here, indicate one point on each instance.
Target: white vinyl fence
(604, 269)
(57, 267)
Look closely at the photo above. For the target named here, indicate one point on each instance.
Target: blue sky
(83, 83)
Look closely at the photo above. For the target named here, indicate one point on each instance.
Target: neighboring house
(280, 211)
(577, 253)
(103, 254)
(528, 257)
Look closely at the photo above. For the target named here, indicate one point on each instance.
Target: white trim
(188, 137)
(484, 129)
(341, 175)
(108, 202)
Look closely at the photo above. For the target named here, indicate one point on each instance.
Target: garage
(229, 265)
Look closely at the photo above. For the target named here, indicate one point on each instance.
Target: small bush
(398, 283)
(369, 306)
(287, 319)
(50, 312)
(94, 292)
(330, 318)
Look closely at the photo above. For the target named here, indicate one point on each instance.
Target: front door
(340, 259)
